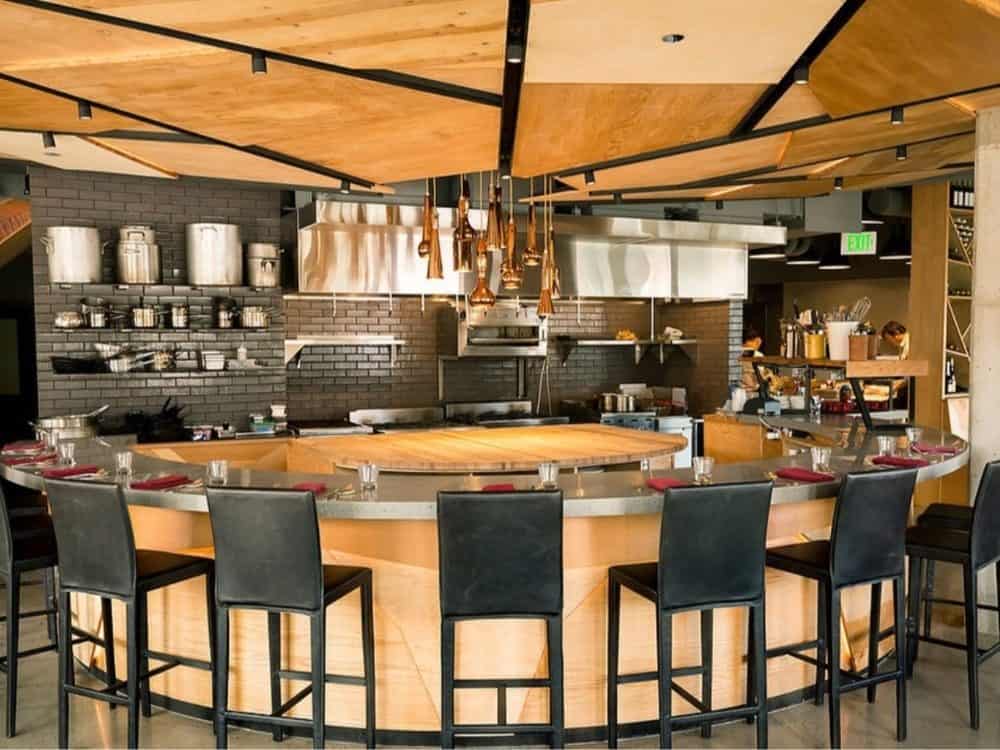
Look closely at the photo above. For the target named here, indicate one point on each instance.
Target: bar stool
(27, 543)
(712, 545)
(975, 548)
(500, 556)
(97, 556)
(268, 557)
(866, 547)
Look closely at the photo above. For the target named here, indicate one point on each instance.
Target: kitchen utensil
(626, 402)
(137, 233)
(815, 345)
(214, 254)
(255, 316)
(68, 319)
(74, 254)
(138, 262)
(72, 426)
(226, 312)
(144, 316)
(95, 312)
(609, 402)
(163, 359)
(548, 474)
(263, 266)
(106, 351)
(859, 312)
(179, 314)
(217, 472)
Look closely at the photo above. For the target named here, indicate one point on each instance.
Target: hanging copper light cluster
(511, 270)
(425, 242)
(435, 266)
(465, 235)
(531, 256)
(550, 274)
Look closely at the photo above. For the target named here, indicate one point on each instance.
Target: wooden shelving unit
(958, 307)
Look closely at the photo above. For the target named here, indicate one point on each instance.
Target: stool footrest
(107, 694)
(83, 635)
(627, 679)
(957, 603)
(293, 701)
(722, 714)
(856, 683)
(689, 697)
(498, 682)
(791, 649)
(281, 721)
(180, 661)
(29, 652)
(502, 728)
(33, 613)
(335, 679)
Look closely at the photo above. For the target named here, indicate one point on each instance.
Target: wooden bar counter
(611, 518)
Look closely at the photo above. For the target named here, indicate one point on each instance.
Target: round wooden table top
(499, 449)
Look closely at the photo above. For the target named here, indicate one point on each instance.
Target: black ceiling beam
(805, 124)
(773, 93)
(377, 75)
(515, 52)
(263, 153)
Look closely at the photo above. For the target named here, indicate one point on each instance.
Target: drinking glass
(368, 474)
(123, 466)
(51, 439)
(66, 451)
(886, 445)
(703, 466)
(218, 472)
(548, 474)
(913, 436)
(820, 458)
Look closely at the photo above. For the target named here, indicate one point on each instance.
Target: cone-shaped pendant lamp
(531, 256)
(425, 242)
(511, 271)
(435, 267)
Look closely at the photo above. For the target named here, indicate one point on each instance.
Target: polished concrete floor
(938, 712)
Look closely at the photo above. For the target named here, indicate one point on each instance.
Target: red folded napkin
(161, 483)
(798, 474)
(661, 483)
(944, 450)
(498, 488)
(900, 462)
(317, 488)
(34, 459)
(69, 471)
(23, 446)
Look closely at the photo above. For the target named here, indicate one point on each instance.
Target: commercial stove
(322, 428)
(456, 416)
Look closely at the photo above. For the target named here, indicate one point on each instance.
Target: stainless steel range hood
(370, 248)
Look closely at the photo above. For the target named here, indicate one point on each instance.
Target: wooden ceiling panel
(725, 41)
(73, 152)
(210, 160)
(764, 190)
(22, 108)
(972, 103)
(692, 166)
(895, 51)
(565, 125)
(375, 131)
(456, 41)
(921, 156)
(798, 103)
(872, 132)
(872, 182)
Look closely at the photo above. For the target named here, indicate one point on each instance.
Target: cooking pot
(72, 426)
(95, 311)
(68, 319)
(178, 315)
(214, 255)
(138, 262)
(226, 312)
(163, 359)
(137, 233)
(144, 316)
(74, 255)
(263, 269)
(255, 316)
(609, 402)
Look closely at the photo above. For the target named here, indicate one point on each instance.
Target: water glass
(66, 452)
(218, 472)
(368, 474)
(123, 466)
(913, 436)
(886, 445)
(703, 466)
(51, 439)
(548, 474)
(820, 458)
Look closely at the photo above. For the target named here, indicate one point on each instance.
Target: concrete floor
(938, 712)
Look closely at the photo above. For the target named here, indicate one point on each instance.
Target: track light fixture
(27, 184)
(719, 205)
(618, 198)
(838, 183)
(345, 187)
(801, 74)
(83, 111)
(258, 63)
(49, 141)
(515, 52)
(896, 116)
(588, 177)
(901, 153)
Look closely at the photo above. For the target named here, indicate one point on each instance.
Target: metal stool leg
(972, 642)
(49, 581)
(899, 623)
(274, 654)
(368, 646)
(556, 699)
(752, 665)
(664, 638)
(760, 660)
(822, 638)
(65, 667)
(913, 616)
(873, 631)
(212, 624)
(833, 629)
(13, 629)
(142, 613)
(222, 676)
(614, 613)
(447, 683)
(317, 641)
(706, 665)
(133, 645)
(107, 619)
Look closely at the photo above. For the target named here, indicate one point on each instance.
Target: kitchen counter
(611, 518)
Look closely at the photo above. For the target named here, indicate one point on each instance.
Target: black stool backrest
(986, 516)
(267, 550)
(93, 536)
(500, 553)
(713, 543)
(868, 540)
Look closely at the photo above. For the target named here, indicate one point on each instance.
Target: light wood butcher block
(500, 449)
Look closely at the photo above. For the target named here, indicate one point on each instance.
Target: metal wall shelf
(294, 347)
(641, 346)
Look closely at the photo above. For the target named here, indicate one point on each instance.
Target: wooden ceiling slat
(74, 152)
(871, 182)
(564, 125)
(798, 103)
(454, 41)
(25, 109)
(921, 156)
(895, 51)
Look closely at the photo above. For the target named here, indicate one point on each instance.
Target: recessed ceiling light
(803, 260)
(83, 111)
(345, 187)
(872, 221)
(801, 74)
(49, 141)
(896, 116)
(515, 52)
(901, 153)
(768, 254)
(895, 255)
(588, 177)
(258, 63)
(672, 38)
(838, 183)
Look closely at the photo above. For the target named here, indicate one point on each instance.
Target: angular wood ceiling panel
(798, 103)
(456, 41)
(73, 152)
(872, 182)
(692, 166)
(920, 156)
(210, 160)
(895, 51)
(566, 125)
(873, 132)
(376, 131)
(725, 41)
(22, 108)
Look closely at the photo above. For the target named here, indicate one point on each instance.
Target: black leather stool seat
(34, 551)
(155, 569)
(340, 579)
(944, 544)
(947, 515)
(35, 524)
(808, 559)
(639, 577)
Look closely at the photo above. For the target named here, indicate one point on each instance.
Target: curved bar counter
(611, 518)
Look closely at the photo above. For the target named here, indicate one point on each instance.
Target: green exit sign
(858, 243)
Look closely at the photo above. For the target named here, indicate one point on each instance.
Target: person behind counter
(895, 334)
(752, 343)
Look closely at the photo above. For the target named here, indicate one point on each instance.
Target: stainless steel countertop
(587, 493)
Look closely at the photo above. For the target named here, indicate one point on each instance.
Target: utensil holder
(861, 347)
(815, 344)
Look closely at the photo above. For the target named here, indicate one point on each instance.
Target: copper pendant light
(493, 239)
(425, 242)
(531, 256)
(545, 305)
(465, 235)
(511, 271)
(482, 295)
(435, 266)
